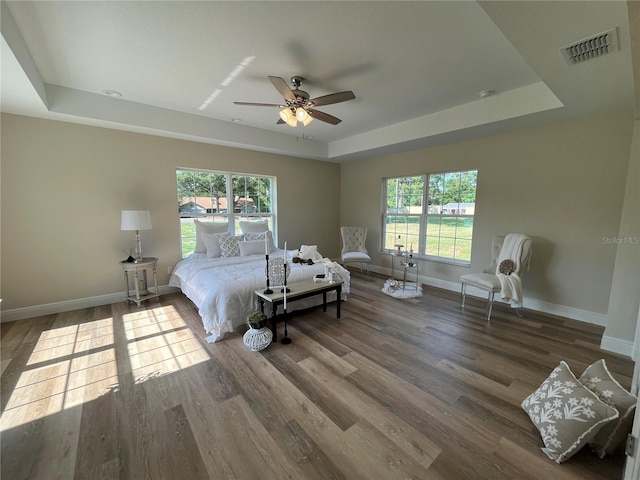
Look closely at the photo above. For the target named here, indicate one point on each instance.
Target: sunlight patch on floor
(69, 366)
(159, 342)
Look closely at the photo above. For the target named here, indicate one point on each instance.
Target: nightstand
(145, 264)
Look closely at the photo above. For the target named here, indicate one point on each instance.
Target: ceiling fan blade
(283, 88)
(323, 117)
(332, 98)
(252, 104)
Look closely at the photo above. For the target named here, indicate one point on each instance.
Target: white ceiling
(415, 67)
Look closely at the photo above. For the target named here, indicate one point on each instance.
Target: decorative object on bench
(258, 337)
(566, 413)
(285, 340)
(308, 261)
(597, 378)
(278, 271)
(510, 257)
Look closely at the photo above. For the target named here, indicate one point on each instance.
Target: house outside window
(431, 214)
(221, 197)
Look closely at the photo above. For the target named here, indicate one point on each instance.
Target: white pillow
(207, 228)
(250, 236)
(212, 244)
(254, 227)
(252, 247)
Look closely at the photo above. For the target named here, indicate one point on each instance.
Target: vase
(257, 339)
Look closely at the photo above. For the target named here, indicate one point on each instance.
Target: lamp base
(142, 288)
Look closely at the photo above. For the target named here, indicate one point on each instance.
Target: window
(431, 214)
(221, 197)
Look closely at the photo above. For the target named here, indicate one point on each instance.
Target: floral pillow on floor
(599, 380)
(566, 413)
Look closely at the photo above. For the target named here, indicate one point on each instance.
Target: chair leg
(519, 312)
(490, 305)
(463, 293)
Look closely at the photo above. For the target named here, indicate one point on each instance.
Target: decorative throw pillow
(251, 247)
(207, 228)
(251, 236)
(229, 246)
(212, 243)
(597, 378)
(566, 413)
(254, 227)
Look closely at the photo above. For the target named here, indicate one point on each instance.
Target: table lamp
(136, 220)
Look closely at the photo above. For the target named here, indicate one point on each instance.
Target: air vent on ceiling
(592, 47)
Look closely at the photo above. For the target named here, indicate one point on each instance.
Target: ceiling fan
(298, 106)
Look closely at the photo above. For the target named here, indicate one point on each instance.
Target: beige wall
(562, 184)
(624, 300)
(64, 185)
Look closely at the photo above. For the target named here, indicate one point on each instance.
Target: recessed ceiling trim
(590, 48)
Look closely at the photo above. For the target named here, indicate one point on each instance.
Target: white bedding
(223, 288)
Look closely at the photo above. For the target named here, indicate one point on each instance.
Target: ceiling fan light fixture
(303, 116)
(288, 117)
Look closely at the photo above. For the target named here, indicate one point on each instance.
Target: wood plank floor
(416, 389)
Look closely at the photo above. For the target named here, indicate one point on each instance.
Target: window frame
(418, 241)
(230, 215)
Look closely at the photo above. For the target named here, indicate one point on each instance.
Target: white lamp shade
(135, 220)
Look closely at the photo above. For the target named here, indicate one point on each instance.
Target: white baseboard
(615, 345)
(612, 344)
(57, 307)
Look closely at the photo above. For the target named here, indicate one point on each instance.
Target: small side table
(394, 254)
(407, 264)
(145, 264)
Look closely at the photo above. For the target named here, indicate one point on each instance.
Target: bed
(223, 287)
